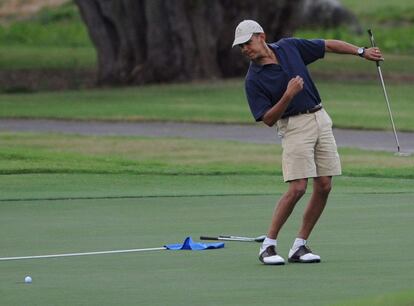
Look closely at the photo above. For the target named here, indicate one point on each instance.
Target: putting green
(363, 239)
(404, 298)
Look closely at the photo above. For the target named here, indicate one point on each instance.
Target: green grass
(210, 102)
(354, 227)
(61, 186)
(391, 22)
(38, 153)
(219, 102)
(54, 27)
(405, 298)
(361, 7)
(40, 57)
(391, 40)
(68, 193)
(55, 38)
(350, 67)
(363, 106)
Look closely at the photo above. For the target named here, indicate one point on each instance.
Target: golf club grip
(371, 38)
(209, 238)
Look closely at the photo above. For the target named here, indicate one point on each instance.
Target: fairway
(218, 102)
(360, 237)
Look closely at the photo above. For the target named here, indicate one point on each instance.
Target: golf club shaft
(232, 238)
(257, 239)
(371, 36)
(389, 108)
(224, 238)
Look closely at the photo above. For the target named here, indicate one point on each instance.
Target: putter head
(260, 238)
(403, 154)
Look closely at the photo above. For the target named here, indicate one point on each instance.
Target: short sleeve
(310, 49)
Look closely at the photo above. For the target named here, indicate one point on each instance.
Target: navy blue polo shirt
(265, 85)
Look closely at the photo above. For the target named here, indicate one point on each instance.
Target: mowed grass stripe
(352, 105)
(405, 298)
(53, 153)
(351, 230)
(57, 187)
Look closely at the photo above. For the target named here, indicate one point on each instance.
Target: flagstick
(82, 254)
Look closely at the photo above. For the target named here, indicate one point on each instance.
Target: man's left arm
(342, 47)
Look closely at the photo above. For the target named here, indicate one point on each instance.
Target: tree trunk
(143, 41)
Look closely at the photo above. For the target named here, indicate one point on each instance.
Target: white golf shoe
(268, 256)
(303, 255)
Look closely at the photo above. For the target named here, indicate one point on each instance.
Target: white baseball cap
(245, 30)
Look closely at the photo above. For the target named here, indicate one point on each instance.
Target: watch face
(360, 51)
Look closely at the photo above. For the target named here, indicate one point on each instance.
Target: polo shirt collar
(256, 67)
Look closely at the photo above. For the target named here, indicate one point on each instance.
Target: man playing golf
(280, 91)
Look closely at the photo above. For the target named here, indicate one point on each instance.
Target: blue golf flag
(189, 244)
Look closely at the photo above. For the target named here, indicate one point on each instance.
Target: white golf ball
(28, 280)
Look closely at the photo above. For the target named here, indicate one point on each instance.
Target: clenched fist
(294, 86)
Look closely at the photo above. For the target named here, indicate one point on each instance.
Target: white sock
(268, 242)
(298, 243)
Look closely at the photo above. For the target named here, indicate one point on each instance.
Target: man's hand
(294, 86)
(373, 54)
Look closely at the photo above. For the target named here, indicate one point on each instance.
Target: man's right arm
(294, 86)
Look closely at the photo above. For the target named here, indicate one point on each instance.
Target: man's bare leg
(300, 252)
(284, 208)
(321, 188)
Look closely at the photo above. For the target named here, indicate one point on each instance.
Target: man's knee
(297, 188)
(323, 185)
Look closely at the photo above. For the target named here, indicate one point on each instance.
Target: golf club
(398, 153)
(234, 238)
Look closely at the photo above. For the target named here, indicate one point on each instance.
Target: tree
(328, 13)
(142, 41)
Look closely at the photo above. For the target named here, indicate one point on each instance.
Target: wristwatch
(361, 52)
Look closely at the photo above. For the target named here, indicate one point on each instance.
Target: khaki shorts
(309, 147)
